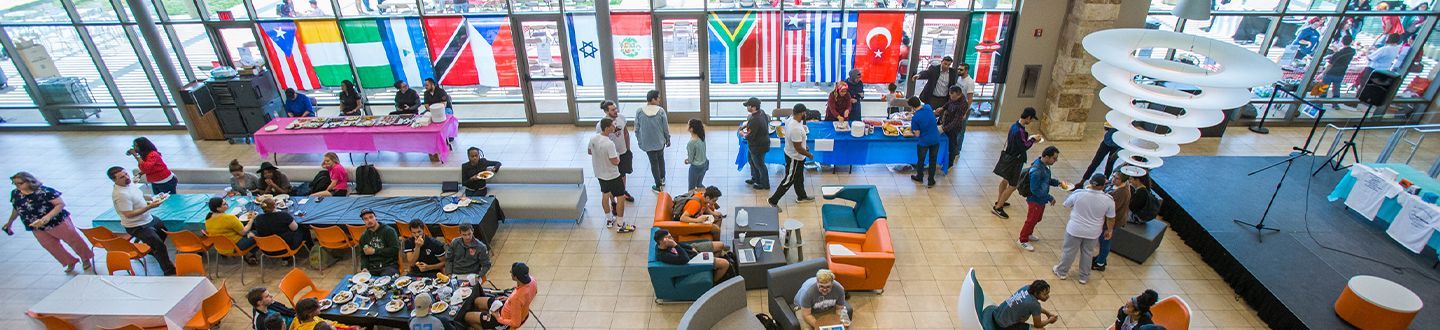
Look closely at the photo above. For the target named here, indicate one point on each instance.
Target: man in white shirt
(1092, 214)
(795, 154)
(621, 138)
(965, 81)
(134, 210)
(606, 162)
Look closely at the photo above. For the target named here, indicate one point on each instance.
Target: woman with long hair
(153, 166)
(695, 154)
(838, 107)
(339, 178)
(43, 213)
(220, 223)
(350, 100)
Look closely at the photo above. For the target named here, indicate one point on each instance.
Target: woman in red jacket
(153, 166)
(838, 107)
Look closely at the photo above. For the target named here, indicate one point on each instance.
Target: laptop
(746, 256)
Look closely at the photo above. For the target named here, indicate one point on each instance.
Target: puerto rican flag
(287, 56)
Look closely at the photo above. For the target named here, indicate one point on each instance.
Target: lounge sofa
(874, 257)
(683, 231)
(973, 310)
(852, 219)
(723, 307)
(784, 282)
(678, 282)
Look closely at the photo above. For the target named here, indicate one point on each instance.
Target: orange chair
(188, 242)
(117, 261)
(874, 256)
(222, 244)
(275, 248)
(133, 327)
(450, 233)
(53, 323)
(682, 231)
(133, 251)
(189, 264)
(94, 235)
(355, 232)
(212, 310)
(295, 281)
(335, 237)
(402, 228)
(1171, 312)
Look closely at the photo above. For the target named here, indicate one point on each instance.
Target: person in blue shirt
(1307, 38)
(928, 130)
(298, 105)
(1040, 183)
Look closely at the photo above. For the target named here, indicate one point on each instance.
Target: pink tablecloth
(430, 139)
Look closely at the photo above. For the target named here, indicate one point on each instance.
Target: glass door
(544, 73)
(939, 37)
(682, 56)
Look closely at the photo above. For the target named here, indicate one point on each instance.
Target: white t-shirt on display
(795, 132)
(1370, 192)
(601, 151)
(1415, 223)
(129, 198)
(1088, 210)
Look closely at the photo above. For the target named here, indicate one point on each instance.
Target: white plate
(326, 304)
(451, 207)
(394, 306)
(349, 309)
(344, 297)
(272, 128)
(380, 281)
(360, 277)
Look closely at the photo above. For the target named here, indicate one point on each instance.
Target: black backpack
(367, 180)
(677, 208)
(1022, 186)
(767, 321)
(1151, 209)
(321, 182)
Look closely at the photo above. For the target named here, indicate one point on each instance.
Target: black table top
(763, 220)
(776, 256)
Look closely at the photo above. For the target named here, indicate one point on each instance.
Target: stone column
(1072, 91)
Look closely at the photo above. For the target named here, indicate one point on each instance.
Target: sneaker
(750, 182)
(1026, 246)
(1083, 281)
(655, 188)
(1056, 270)
(629, 198)
(999, 212)
(804, 200)
(917, 178)
(776, 206)
(1096, 266)
(759, 187)
(1007, 204)
(627, 228)
(931, 184)
(1033, 238)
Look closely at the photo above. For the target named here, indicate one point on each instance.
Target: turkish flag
(878, 46)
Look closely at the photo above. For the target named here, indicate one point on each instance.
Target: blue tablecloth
(187, 211)
(1391, 207)
(875, 148)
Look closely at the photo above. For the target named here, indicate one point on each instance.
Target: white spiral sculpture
(1225, 87)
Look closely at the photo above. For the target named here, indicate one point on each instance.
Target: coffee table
(755, 272)
(764, 220)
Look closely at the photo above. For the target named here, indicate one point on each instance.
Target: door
(544, 71)
(681, 58)
(939, 37)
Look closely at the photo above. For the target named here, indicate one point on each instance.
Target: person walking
(856, 88)
(1012, 159)
(606, 163)
(795, 155)
(652, 128)
(1092, 217)
(757, 135)
(952, 122)
(621, 138)
(134, 210)
(1108, 151)
(152, 165)
(1119, 191)
(1337, 65)
(1039, 187)
(695, 154)
(928, 132)
(43, 213)
(938, 78)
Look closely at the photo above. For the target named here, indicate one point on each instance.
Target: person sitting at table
(470, 172)
(821, 294)
(307, 316)
(701, 207)
(241, 183)
(493, 312)
(671, 252)
(298, 105)
(1136, 311)
(272, 181)
(467, 255)
(270, 222)
(223, 224)
(381, 246)
(426, 253)
(264, 307)
(1025, 304)
(339, 178)
(407, 102)
(350, 99)
(435, 97)
(272, 322)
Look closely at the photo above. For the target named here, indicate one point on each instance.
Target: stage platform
(1289, 277)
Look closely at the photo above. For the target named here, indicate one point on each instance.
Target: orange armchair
(682, 231)
(874, 256)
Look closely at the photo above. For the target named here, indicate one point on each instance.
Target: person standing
(152, 165)
(894, 99)
(856, 88)
(339, 177)
(939, 78)
(134, 210)
(965, 81)
(928, 132)
(606, 162)
(1306, 39)
(1108, 151)
(837, 107)
(1025, 304)
(1119, 191)
(435, 97)
(1092, 217)
(43, 213)
(298, 105)
(407, 102)
(1336, 65)
(652, 128)
(350, 100)
(1040, 183)
(1382, 59)
(695, 154)
(757, 136)
(380, 246)
(621, 138)
(952, 121)
(795, 154)
(1012, 159)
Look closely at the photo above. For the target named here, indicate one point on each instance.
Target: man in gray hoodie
(652, 128)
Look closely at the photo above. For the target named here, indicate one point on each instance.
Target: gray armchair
(723, 307)
(784, 283)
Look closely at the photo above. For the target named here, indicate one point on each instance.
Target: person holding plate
(134, 210)
(492, 312)
(471, 172)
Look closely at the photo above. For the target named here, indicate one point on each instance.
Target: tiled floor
(593, 278)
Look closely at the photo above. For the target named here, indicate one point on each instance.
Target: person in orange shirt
(702, 209)
(506, 310)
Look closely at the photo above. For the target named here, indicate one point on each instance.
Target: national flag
(404, 41)
(287, 56)
(634, 53)
(877, 51)
(792, 49)
(322, 43)
(493, 50)
(743, 47)
(372, 66)
(449, 39)
(831, 47)
(988, 34)
(585, 49)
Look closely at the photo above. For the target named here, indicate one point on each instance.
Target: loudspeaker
(1378, 85)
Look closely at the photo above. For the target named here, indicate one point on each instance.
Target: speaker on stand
(1377, 88)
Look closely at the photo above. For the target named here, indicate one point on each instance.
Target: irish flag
(633, 49)
(362, 36)
(287, 56)
(322, 43)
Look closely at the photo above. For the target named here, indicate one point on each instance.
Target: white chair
(972, 306)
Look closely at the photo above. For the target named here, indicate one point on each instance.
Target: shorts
(614, 187)
(1008, 167)
(703, 246)
(627, 163)
(340, 193)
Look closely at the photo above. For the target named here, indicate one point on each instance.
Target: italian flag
(362, 36)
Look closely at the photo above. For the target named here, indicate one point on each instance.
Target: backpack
(677, 208)
(1151, 208)
(1023, 185)
(767, 321)
(320, 182)
(367, 180)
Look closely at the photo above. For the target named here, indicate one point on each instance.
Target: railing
(1400, 134)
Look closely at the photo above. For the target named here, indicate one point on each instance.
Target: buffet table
(431, 139)
(873, 148)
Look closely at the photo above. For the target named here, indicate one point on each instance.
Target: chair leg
(537, 318)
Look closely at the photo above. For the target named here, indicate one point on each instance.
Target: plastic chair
(334, 237)
(1171, 312)
(133, 327)
(133, 251)
(450, 233)
(212, 310)
(295, 281)
(188, 264)
(94, 235)
(117, 261)
(221, 243)
(188, 242)
(53, 323)
(275, 248)
(355, 232)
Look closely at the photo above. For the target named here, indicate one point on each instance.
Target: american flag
(832, 43)
(793, 51)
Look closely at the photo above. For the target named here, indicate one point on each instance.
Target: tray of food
(842, 126)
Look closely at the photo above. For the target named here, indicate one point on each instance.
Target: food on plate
(360, 277)
(907, 131)
(326, 304)
(439, 307)
(842, 126)
(344, 297)
(890, 130)
(380, 281)
(349, 309)
(360, 288)
(394, 306)
(418, 286)
(485, 175)
(403, 281)
(873, 122)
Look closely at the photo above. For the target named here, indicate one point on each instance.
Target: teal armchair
(856, 219)
(678, 282)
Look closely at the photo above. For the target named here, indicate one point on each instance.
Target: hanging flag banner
(793, 67)
(831, 45)
(634, 51)
(362, 37)
(472, 51)
(585, 49)
(404, 41)
(287, 56)
(744, 47)
(990, 35)
(322, 44)
(877, 50)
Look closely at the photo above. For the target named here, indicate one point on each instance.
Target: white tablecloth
(91, 301)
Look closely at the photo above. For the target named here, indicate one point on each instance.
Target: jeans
(794, 177)
(167, 187)
(854, 112)
(1068, 253)
(933, 151)
(1036, 211)
(657, 165)
(245, 242)
(1102, 257)
(1334, 81)
(153, 234)
(759, 173)
(954, 140)
(697, 175)
(1105, 152)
